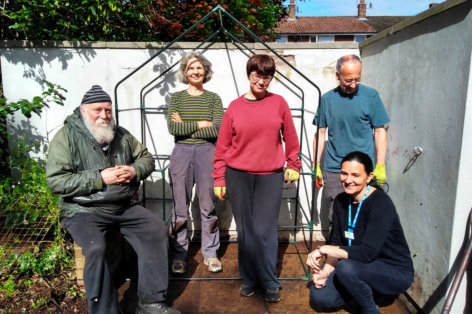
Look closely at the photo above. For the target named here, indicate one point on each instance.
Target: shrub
(33, 243)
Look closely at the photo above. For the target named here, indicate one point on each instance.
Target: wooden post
(79, 267)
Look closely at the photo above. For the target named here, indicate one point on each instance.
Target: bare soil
(46, 295)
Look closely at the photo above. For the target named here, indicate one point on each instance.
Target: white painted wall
(422, 71)
(77, 68)
(461, 221)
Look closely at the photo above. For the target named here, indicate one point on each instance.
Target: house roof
(379, 23)
(324, 25)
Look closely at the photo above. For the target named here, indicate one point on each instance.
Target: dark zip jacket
(75, 160)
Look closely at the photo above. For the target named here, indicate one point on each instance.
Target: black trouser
(144, 231)
(354, 279)
(255, 201)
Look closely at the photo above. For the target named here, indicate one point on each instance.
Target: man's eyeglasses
(265, 78)
(350, 81)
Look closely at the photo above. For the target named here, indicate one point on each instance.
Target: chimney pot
(361, 10)
(291, 10)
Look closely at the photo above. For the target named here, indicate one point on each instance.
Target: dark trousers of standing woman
(255, 201)
(356, 280)
(144, 231)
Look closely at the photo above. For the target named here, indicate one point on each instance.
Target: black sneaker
(178, 266)
(272, 295)
(246, 291)
(154, 308)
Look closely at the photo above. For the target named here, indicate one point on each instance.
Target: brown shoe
(214, 264)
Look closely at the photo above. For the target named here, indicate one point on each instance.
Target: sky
(349, 7)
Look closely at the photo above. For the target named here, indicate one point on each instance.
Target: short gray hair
(183, 66)
(344, 59)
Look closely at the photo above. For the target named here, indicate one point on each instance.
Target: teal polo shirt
(350, 120)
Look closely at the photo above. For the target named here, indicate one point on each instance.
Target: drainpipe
(464, 263)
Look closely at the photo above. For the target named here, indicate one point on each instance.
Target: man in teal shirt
(355, 118)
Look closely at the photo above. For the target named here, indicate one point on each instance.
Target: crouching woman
(368, 252)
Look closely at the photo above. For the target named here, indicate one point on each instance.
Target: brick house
(332, 28)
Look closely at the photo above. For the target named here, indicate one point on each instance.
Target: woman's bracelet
(319, 250)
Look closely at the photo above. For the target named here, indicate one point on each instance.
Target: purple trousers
(193, 164)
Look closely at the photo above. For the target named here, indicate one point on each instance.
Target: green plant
(29, 212)
(144, 20)
(53, 93)
(7, 287)
(26, 198)
(73, 20)
(74, 291)
(27, 283)
(36, 305)
(27, 203)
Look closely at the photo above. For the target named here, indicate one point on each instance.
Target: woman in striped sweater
(194, 119)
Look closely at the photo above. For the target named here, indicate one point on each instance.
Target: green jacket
(74, 163)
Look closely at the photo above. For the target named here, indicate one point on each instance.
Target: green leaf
(26, 111)
(37, 99)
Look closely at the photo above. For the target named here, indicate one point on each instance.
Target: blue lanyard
(353, 225)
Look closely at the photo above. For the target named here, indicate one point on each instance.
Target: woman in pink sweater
(249, 161)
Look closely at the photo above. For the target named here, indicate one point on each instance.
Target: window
(282, 39)
(358, 39)
(344, 38)
(325, 39)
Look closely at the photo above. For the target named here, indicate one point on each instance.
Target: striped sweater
(192, 109)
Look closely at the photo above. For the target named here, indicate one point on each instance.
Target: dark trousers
(193, 164)
(356, 280)
(144, 231)
(332, 186)
(255, 201)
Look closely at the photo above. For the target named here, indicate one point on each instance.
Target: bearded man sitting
(96, 168)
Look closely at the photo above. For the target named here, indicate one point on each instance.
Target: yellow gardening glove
(291, 176)
(319, 175)
(220, 192)
(379, 174)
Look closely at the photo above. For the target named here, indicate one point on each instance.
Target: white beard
(102, 130)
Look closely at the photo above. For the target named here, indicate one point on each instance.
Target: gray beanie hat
(95, 94)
